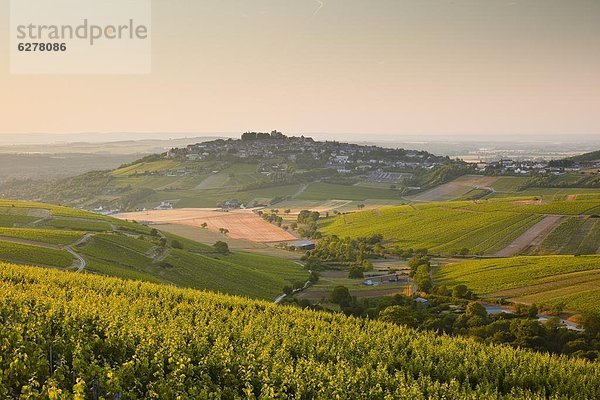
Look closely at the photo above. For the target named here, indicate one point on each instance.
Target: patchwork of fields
(60, 237)
(551, 280)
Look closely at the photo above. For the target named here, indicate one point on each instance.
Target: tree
(314, 277)
(590, 322)
(415, 262)
(221, 247)
(204, 225)
(475, 309)
(356, 273)
(400, 315)
(423, 279)
(341, 295)
(459, 291)
(224, 231)
(287, 289)
(154, 232)
(176, 244)
(360, 206)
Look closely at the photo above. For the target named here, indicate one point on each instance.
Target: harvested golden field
(242, 224)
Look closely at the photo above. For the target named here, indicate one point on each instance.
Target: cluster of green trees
(520, 329)
(347, 250)
(410, 252)
(221, 247)
(420, 271)
(307, 223)
(453, 314)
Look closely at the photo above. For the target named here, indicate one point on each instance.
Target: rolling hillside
(482, 227)
(547, 281)
(65, 238)
(592, 156)
(94, 336)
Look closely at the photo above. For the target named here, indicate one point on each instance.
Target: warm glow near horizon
(479, 68)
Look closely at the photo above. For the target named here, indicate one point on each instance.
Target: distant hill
(259, 169)
(587, 157)
(70, 239)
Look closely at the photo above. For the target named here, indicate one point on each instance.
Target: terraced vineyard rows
(51, 236)
(549, 280)
(90, 334)
(34, 255)
(437, 228)
(574, 235)
(481, 226)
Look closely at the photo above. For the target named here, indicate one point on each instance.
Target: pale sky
(483, 68)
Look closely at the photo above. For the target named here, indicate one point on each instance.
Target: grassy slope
(36, 255)
(328, 191)
(546, 280)
(145, 341)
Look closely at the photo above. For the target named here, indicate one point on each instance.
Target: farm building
(304, 245)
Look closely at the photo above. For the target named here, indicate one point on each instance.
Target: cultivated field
(328, 280)
(455, 189)
(530, 237)
(435, 227)
(484, 226)
(574, 235)
(242, 224)
(327, 191)
(548, 281)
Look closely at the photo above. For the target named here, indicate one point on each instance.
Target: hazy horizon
(393, 69)
(7, 138)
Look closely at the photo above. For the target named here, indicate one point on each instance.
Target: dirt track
(532, 236)
(242, 224)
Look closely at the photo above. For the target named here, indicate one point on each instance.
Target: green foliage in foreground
(551, 280)
(148, 341)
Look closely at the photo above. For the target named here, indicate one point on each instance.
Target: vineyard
(51, 236)
(439, 229)
(549, 280)
(483, 227)
(79, 336)
(572, 236)
(35, 255)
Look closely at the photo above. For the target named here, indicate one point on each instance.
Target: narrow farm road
(80, 262)
(300, 191)
(532, 235)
